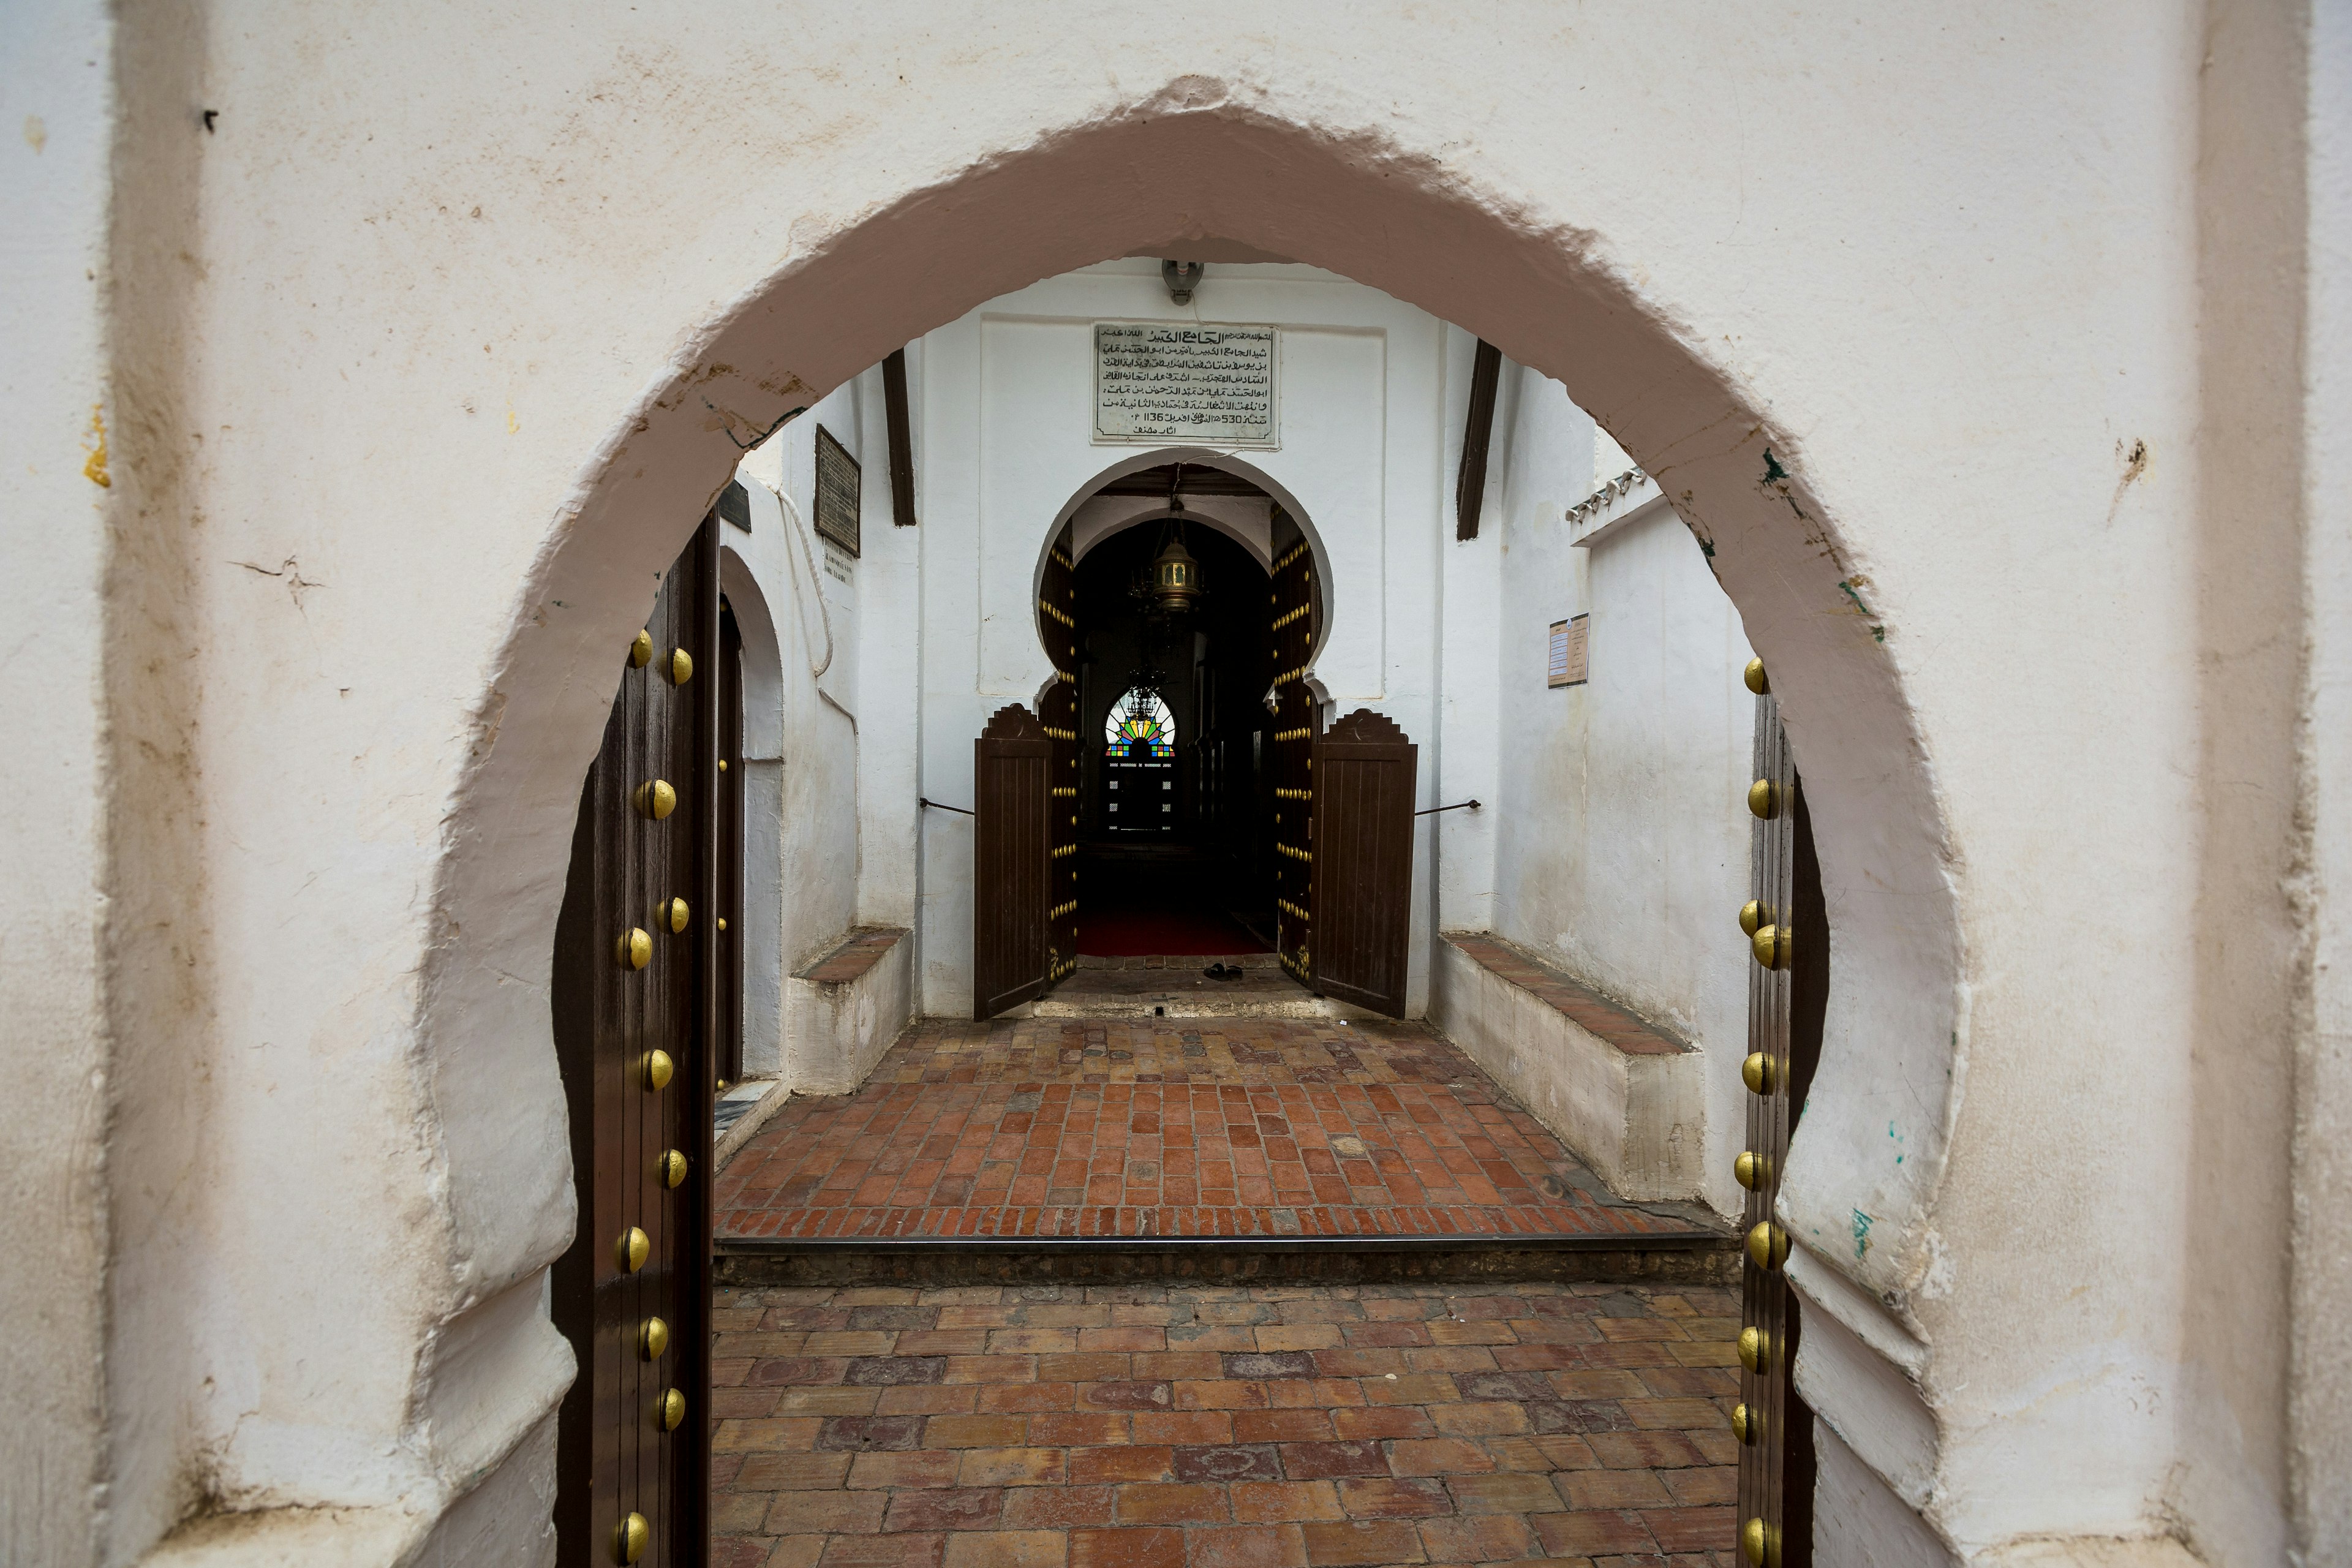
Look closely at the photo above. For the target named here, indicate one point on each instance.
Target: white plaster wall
(1007, 434)
(53, 68)
(1623, 830)
(462, 313)
(1467, 760)
(802, 799)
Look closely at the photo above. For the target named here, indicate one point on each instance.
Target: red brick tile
(1389, 1497)
(882, 1551)
(1127, 1549)
(1056, 1508)
(1438, 1457)
(1592, 1534)
(1315, 1461)
(1248, 1546)
(1138, 1463)
(1185, 1426)
(956, 1508)
(1269, 1503)
(1692, 1529)
(1156, 1503)
(1007, 1549)
(1362, 1543)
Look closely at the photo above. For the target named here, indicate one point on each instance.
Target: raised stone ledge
(1629, 1032)
(861, 951)
(1625, 1094)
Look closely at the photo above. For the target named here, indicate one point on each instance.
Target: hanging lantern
(1175, 577)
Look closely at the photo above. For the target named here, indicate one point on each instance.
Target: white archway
(1898, 1017)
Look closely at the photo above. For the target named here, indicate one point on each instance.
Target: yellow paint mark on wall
(94, 469)
(513, 423)
(37, 134)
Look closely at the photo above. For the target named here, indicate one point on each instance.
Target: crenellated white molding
(1630, 496)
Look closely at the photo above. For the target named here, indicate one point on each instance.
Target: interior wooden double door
(643, 1009)
(1337, 809)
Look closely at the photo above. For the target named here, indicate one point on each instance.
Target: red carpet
(1136, 933)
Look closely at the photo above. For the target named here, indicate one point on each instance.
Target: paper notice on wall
(1159, 382)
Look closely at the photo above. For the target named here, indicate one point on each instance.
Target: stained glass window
(1141, 715)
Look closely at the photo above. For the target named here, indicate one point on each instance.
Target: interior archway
(1551, 297)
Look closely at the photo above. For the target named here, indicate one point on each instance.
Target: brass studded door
(639, 1009)
(1787, 928)
(1058, 717)
(1287, 761)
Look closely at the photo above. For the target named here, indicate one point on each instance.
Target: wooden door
(1787, 928)
(637, 1003)
(1057, 603)
(728, 929)
(1360, 842)
(1015, 855)
(1287, 762)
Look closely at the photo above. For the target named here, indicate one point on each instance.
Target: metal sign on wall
(839, 481)
(1572, 643)
(1163, 381)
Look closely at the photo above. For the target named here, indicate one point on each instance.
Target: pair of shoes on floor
(1223, 970)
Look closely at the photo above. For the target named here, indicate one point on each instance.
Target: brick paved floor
(1150, 1426)
(1169, 1126)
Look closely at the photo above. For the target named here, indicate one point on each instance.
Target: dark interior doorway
(1172, 723)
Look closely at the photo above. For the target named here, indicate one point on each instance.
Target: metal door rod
(1458, 805)
(939, 805)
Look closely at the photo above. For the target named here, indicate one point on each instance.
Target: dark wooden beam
(902, 439)
(1477, 433)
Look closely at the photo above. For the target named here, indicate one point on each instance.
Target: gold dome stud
(722, 922)
(1751, 1170)
(675, 914)
(635, 949)
(722, 764)
(1764, 799)
(652, 1339)
(671, 1167)
(641, 650)
(1760, 1542)
(654, 798)
(658, 1068)
(671, 1411)
(631, 1537)
(632, 1251)
(1755, 1349)
(1752, 914)
(1768, 1246)
(1753, 676)
(681, 666)
(1744, 1424)
(1755, 1072)
(1770, 944)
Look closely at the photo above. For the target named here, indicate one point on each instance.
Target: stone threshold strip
(885, 1223)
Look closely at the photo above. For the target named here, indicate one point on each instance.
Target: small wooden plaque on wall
(1570, 648)
(839, 483)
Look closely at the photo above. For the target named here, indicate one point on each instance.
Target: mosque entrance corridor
(1172, 851)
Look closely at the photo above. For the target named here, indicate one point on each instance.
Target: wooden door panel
(1287, 758)
(1360, 853)
(1013, 859)
(1058, 717)
(631, 978)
